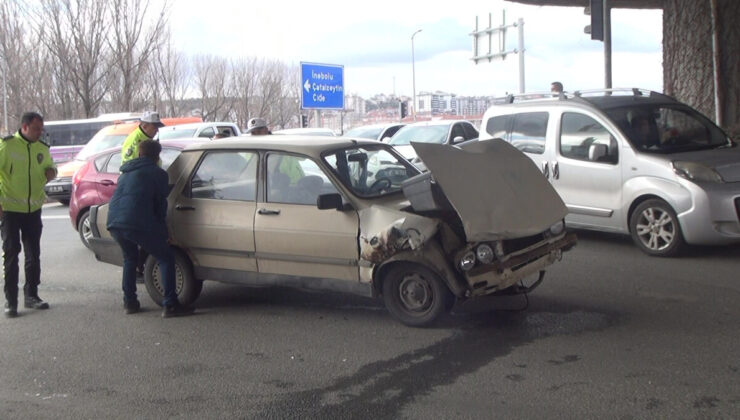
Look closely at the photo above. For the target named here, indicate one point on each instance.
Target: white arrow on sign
(307, 86)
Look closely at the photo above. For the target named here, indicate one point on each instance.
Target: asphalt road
(611, 333)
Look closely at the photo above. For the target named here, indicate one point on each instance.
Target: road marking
(54, 217)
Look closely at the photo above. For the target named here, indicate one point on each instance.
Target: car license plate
(56, 188)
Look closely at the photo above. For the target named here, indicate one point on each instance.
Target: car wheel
(84, 229)
(415, 295)
(187, 286)
(655, 229)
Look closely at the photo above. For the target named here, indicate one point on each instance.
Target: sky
(372, 40)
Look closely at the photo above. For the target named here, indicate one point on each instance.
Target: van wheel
(415, 295)
(187, 287)
(655, 229)
(84, 229)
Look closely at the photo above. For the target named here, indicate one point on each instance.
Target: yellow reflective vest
(22, 173)
(130, 148)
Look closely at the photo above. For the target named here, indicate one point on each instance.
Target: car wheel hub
(157, 279)
(415, 293)
(656, 229)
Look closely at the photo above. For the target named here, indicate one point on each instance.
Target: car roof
(434, 122)
(194, 125)
(303, 144)
(599, 99)
(181, 143)
(379, 125)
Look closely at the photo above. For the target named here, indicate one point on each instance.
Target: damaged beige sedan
(354, 216)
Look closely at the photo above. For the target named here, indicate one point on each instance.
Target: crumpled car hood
(497, 191)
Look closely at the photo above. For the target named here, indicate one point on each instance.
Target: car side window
(167, 156)
(578, 132)
(114, 164)
(100, 162)
(293, 179)
(529, 132)
(498, 127)
(391, 131)
(229, 175)
(207, 132)
(457, 131)
(470, 131)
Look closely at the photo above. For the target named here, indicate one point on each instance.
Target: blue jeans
(156, 246)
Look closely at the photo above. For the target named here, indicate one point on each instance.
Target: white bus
(66, 137)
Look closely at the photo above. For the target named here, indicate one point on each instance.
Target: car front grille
(513, 245)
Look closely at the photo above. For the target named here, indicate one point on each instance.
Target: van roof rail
(579, 95)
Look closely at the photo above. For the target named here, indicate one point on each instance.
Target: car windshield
(667, 129)
(99, 143)
(370, 171)
(176, 134)
(421, 133)
(371, 133)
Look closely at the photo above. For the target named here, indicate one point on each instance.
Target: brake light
(80, 173)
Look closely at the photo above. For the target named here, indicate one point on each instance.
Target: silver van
(629, 161)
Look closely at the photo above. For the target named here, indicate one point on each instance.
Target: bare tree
(243, 87)
(210, 79)
(13, 50)
(170, 68)
(133, 41)
(76, 36)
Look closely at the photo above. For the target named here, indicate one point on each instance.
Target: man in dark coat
(137, 217)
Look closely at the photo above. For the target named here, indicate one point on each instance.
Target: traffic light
(596, 28)
(304, 120)
(404, 109)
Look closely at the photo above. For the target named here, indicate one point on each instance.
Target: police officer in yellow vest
(148, 128)
(25, 167)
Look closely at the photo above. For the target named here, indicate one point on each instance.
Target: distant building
(436, 103)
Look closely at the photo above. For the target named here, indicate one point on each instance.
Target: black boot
(35, 302)
(11, 310)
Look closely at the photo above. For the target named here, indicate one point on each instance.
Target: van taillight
(80, 173)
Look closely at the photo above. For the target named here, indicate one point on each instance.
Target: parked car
(60, 188)
(354, 216)
(379, 132)
(93, 184)
(438, 132)
(631, 161)
(200, 129)
(307, 131)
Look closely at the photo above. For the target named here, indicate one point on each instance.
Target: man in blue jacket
(137, 217)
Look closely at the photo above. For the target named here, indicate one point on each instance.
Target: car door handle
(107, 182)
(268, 212)
(545, 170)
(182, 208)
(555, 169)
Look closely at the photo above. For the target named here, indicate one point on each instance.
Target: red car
(94, 183)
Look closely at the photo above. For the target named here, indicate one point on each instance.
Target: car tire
(415, 295)
(655, 229)
(188, 288)
(84, 229)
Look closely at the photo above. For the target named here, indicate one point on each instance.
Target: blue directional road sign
(322, 86)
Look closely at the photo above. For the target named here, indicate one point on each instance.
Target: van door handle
(182, 208)
(555, 169)
(268, 212)
(106, 182)
(545, 170)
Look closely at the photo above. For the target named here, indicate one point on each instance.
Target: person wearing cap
(25, 167)
(148, 127)
(257, 127)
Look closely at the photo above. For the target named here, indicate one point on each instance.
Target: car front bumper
(59, 189)
(714, 217)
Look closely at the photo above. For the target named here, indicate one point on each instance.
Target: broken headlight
(484, 253)
(467, 261)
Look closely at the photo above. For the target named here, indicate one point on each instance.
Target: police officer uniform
(23, 165)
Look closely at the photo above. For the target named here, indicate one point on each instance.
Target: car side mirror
(330, 201)
(458, 139)
(596, 152)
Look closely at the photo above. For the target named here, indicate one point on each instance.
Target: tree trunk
(688, 56)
